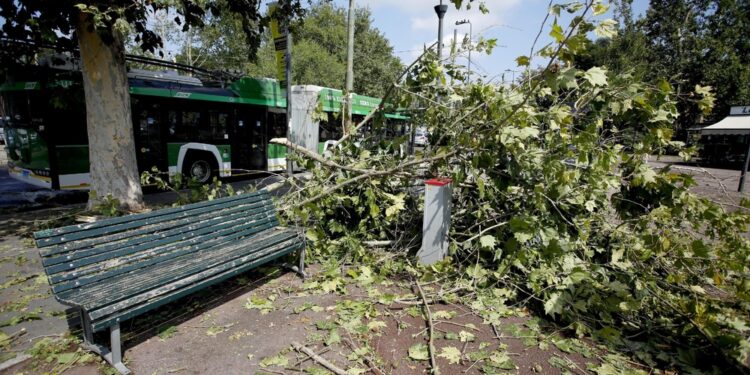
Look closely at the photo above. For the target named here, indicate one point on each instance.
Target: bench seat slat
(57, 253)
(137, 261)
(82, 231)
(101, 308)
(177, 294)
(185, 234)
(133, 283)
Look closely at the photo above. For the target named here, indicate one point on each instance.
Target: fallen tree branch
(377, 243)
(435, 370)
(314, 156)
(382, 101)
(484, 231)
(293, 367)
(372, 174)
(370, 362)
(320, 360)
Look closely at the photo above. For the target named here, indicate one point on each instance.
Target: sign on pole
(282, 42)
(279, 44)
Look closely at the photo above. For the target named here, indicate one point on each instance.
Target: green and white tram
(180, 125)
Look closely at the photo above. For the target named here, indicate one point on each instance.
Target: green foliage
(166, 333)
(555, 208)
(187, 191)
(60, 353)
(687, 42)
(319, 50)
(106, 206)
(53, 23)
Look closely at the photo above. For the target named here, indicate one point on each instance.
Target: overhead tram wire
(221, 77)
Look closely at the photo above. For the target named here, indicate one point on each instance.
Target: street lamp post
(440, 10)
(513, 72)
(463, 22)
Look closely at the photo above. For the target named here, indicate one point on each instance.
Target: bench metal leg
(116, 358)
(113, 356)
(302, 263)
(299, 269)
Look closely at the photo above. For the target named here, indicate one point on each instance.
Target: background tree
(687, 43)
(99, 30)
(319, 54)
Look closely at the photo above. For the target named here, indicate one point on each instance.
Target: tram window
(66, 118)
(190, 124)
(191, 119)
(330, 129)
(217, 125)
(18, 108)
(172, 121)
(278, 126)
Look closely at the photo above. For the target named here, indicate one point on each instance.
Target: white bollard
(437, 220)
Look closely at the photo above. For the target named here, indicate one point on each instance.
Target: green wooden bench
(119, 268)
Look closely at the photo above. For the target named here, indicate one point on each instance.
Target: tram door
(248, 143)
(147, 119)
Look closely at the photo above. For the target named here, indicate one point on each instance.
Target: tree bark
(112, 156)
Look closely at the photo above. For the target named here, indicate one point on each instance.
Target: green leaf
(314, 370)
(167, 332)
(376, 325)
(606, 29)
(66, 358)
(365, 276)
(264, 305)
(419, 352)
(396, 207)
(501, 360)
(331, 285)
(523, 60)
(466, 336)
(600, 9)
(487, 241)
(554, 304)
(596, 76)
(278, 360)
(644, 176)
(707, 98)
(451, 353)
(312, 235)
(333, 338)
(567, 78)
(557, 33)
(444, 314)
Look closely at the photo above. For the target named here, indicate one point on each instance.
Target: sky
(411, 24)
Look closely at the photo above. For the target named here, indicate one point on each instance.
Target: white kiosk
(737, 123)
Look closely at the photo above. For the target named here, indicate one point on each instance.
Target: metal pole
(455, 45)
(741, 188)
(471, 44)
(349, 70)
(440, 10)
(288, 76)
(464, 22)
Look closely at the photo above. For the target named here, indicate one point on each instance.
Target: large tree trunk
(112, 157)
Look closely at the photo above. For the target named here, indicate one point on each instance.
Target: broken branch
(433, 363)
(320, 360)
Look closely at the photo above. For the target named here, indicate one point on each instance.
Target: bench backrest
(77, 255)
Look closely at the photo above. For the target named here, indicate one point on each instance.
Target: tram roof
(247, 90)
